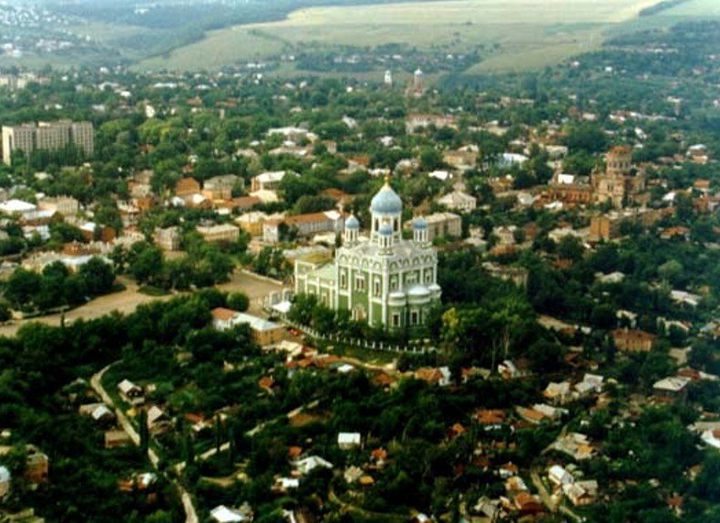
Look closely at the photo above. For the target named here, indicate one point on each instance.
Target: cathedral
(382, 279)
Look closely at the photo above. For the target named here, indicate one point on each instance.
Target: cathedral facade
(382, 279)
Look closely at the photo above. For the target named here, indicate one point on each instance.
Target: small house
(348, 440)
(130, 392)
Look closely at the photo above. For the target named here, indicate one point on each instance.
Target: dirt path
(127, 426)
(127, 300)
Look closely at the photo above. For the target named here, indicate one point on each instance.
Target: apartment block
(47, 136)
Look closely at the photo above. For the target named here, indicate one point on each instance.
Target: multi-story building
(571, 189)
(419, 121)
(268, 181)
(305, 225)
(443, 224)
(383, 279)
(47, 136)
(82, 134)
(619, 184)
(19, 138)
(219, 233)
(168, 239)
(221, 187)
(65, 205)
(459, 201)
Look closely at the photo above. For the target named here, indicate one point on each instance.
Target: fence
(414, 347)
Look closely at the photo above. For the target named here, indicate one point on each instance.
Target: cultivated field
(704, 8)
(531, 33)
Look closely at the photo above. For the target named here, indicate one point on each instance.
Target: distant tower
(418, 81)
(388, 78)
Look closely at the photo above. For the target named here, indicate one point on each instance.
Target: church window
(359, 283)
(396, 320)
(414, 318)
(376, 291)
(343, 280)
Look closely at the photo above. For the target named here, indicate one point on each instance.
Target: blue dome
(420, 224)
(386, 201)
(352, 223)
(386, 230)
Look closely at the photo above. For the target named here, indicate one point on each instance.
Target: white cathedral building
(383, 279)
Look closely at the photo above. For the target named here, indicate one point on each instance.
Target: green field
(702, 8)
(531, 33)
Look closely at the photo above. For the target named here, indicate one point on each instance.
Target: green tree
(98, 276)
(22, 287)
(238, 301)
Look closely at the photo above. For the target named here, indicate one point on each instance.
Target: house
(186, 187)
(490, 418)
(138, 482)
(219, 233)
(253, 222)
(672, 387)
(559, 477)
(575, 445)
(267, 181)
(590, 383)
(306, 465)
(168, 239)
(489, 508)
(131, 393)
(156, 418)
(283, 485)
(685, 298)
(223, 514)
(528, 504)
(711, 437)
(99, 412)
(37, 465)
(434, 376)
(348, 440)
(264, 332)
(243, 203)
(518, 275)
(353, 474)
(540, 412)
(5, 482)
(459, 201)
(557, 391)
(117, 438)
(419, 121)
(20, 208)
(581, 493)
(630, 340)
(462, 159)
(64, 205)
(379, 457)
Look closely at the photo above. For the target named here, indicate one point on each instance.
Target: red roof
(223, 314)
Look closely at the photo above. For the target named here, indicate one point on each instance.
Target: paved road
(127, 300)
(127, 426)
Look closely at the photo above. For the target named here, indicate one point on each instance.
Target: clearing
(126, 301)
